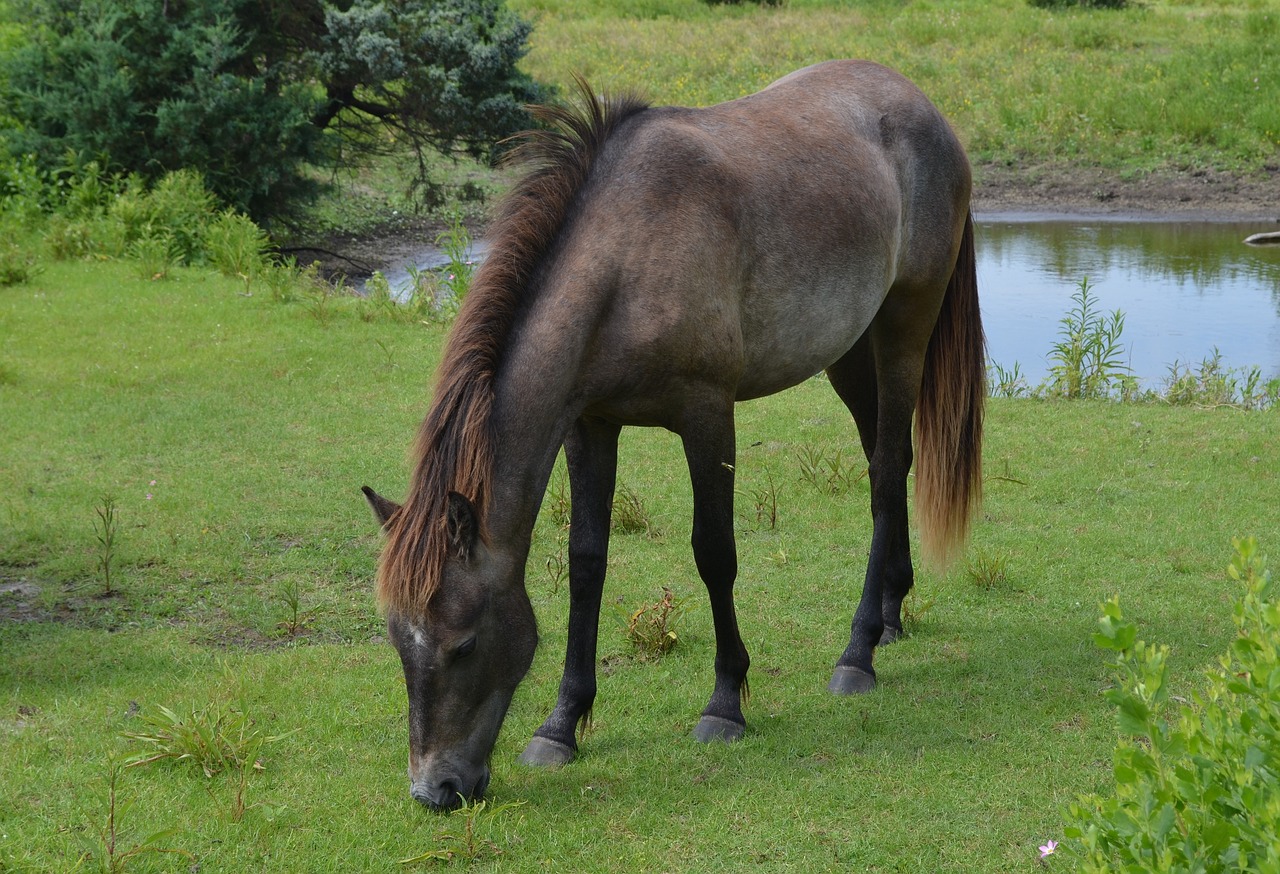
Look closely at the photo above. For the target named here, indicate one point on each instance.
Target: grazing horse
(656, 265)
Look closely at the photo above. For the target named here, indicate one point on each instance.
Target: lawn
(232, 433)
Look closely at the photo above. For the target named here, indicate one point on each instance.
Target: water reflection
(1184, 288)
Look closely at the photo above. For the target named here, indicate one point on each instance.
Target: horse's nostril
(442, 797)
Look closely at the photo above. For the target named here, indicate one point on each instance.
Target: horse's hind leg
(854, 379)
(591, 450)
(879, 385)
(708, 437)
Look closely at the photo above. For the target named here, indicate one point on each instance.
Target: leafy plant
(1199, 789)
(155, 256)
(1214, 384)
(1007, 383)
(296, 619)
(109, 853)
(1086, 362)
(650, 628)
(471, 843)
(16, 264)
(106, 527)
(456, 274)
(237, 247)
(764, 501)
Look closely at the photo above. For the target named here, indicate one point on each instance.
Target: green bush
(244, 92)
(1197, 790)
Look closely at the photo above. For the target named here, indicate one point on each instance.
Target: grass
(258, 423)
(1136, 90)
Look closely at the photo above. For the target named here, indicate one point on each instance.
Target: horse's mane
(455, 446)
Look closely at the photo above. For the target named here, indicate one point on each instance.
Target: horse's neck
(531, 416)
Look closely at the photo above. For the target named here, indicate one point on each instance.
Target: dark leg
(880, 389)
(591, 450)
(709, 449)
(854, 379)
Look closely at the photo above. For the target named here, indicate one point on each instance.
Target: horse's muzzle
(448, 794)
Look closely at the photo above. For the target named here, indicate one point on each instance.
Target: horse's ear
(463, 526)
(383, 508)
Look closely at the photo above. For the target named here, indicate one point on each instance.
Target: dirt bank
(1030, 191)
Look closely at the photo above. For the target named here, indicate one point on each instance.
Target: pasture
(233, 434)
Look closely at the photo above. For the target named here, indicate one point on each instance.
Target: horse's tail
(949, 415)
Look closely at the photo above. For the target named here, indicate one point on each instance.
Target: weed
(557, 502)
(296, 619)
(155, 256)
(458, 270)
(650, 628)
(1213, 384)
(630, 515)
(16, 265)
(557, 563)
(108, 853)
(914, 608)
(106, 528)
(319, 295)
(1007, 383)
(1086, 360)
(764, 501)
(987, 569)
(470, 844)
(237, 247)
(829, 475)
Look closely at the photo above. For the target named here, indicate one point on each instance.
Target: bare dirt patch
(20, 599)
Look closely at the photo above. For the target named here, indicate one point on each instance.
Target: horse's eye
(466, 648)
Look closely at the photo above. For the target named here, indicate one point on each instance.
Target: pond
(1185, 288)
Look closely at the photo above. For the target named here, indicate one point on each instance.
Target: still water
(1185, 288)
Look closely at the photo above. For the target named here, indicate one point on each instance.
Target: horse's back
(758, 238)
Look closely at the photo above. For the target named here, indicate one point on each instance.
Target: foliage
(106, 527)
(459, 265)
(1086, 362)
(1199, 789)
(471, 843)
(17, 265)
(110, 853)
(243, 94)
(650, 628)
(236, 246)
(1213, 384)
(1083, 4)
(630, 515)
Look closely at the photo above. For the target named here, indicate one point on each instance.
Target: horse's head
(462, 660)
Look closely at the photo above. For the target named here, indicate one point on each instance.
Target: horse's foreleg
(709, 449)
(591, 450)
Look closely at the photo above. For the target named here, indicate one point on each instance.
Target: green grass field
(233, 434)
(1164, 85)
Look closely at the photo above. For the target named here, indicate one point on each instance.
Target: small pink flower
(153, 482)
(1048, 849)
(148, 496)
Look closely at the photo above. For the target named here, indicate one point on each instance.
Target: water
(1184, 287)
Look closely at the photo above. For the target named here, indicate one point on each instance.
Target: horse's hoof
(851, 681)
(711, 728)
(546, 753)
(889, 635)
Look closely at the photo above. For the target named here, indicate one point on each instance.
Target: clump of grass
(296, 619)
(1008, 383)
(471, 843)
(987, 570)
(236, 246)
(1214, 384)
(630, 515)
(155, 256)
(650, 628)
(16, 264)
(456, 275)
(829, 474)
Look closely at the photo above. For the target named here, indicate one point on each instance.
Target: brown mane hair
(455, 445)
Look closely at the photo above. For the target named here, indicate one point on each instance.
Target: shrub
(1086, 360)
(1197, 790)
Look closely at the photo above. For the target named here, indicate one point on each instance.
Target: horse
(654, 266)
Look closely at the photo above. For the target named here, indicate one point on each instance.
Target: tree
(251, 92)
